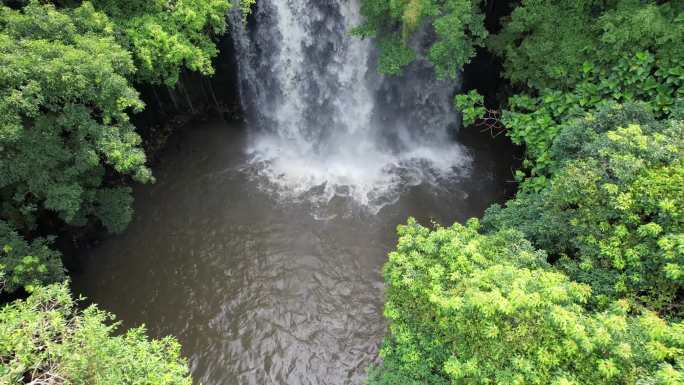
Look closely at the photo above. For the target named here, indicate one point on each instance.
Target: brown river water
(257, 289)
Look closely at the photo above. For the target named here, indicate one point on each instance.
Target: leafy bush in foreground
(47, 340)
(466, 308)
(166, 36)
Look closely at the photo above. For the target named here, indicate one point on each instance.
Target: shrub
(26, 264)
(466, 308)
(46, 339)
(611, 212)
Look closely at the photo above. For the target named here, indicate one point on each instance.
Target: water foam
(365, 175)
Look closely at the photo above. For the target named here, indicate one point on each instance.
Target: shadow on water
(256, 289)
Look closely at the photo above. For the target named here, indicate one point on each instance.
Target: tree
(64, 118)
(556, 45)
(466, 308)
(573, 57)
(564, 58)
(47, 340)
(610, 211)
(597, 103)
(26, 264)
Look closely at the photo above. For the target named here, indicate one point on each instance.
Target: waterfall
(323, 123)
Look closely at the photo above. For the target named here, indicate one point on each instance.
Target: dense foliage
(25, 264)
(597, 101)
(483, 309)
(47, 340)
(569, 57)
(64, 122)
(574, 57)
(165, 36)
(65, 102)
(612, 210)
(458, 25)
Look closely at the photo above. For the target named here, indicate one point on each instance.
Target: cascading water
(325, 125)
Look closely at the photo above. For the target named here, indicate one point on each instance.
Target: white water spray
(324, 124)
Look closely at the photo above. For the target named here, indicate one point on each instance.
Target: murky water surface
(260, 290)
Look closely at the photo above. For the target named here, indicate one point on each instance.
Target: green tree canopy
(64, 118)
(466, 308)
(612, 210)
(596, 99)
(552, 44)
(573, 57)
(46, 339)
(165, 36)
(67, 145)
(564, 58)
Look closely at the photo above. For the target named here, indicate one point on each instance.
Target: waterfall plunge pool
(256, 288)
(261, 247)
